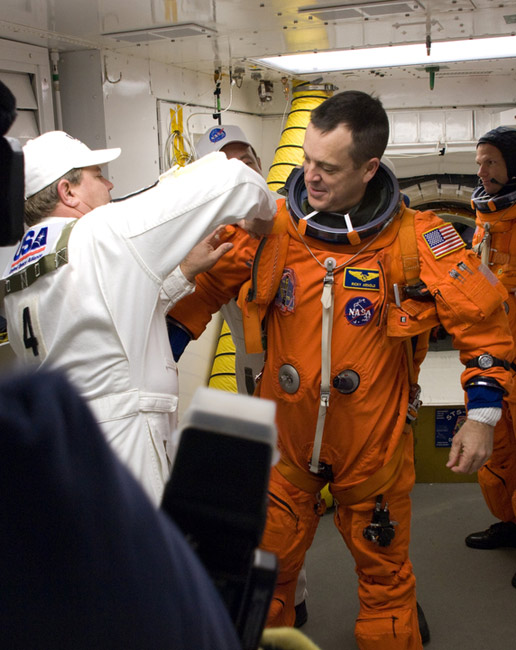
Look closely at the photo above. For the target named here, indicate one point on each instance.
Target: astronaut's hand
(472, 446)
(205, 254)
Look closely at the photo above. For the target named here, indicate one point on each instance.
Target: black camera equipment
(11, 174)
(381, 529)
(217, 495)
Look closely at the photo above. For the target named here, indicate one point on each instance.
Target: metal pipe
(54, 58)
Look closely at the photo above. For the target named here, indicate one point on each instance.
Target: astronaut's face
(492, 169)
(333, 182)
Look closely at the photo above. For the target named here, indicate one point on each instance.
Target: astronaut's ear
(370, 169)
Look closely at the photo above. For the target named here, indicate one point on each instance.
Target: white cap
(53, 154)
(218, 137)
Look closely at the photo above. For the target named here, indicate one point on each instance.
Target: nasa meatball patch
(359, 311)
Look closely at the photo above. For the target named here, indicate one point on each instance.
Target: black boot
(301, 614)
(501, 534)
(513, 581)
(424, 630)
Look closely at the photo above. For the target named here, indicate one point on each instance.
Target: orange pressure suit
(366, 448)
(495, 240)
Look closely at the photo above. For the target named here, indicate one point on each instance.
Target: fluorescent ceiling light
(393, 56)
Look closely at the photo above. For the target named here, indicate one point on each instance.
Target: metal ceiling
(204, 35)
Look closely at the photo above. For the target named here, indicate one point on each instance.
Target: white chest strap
(327, 324)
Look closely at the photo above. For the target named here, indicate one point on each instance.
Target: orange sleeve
(219, 285)
(469, 301)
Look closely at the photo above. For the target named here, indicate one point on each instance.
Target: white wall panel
(82, 103)
(429, 141)
(130, 114)
(482, 91)
(484, 121)
(508, 117)
(404, 128)
(459, 126)
(431, 126)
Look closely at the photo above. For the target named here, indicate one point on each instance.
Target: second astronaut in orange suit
(495, 240)
(346, 288)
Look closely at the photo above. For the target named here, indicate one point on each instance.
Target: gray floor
(466, 594)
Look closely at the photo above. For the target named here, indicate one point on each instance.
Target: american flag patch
(443, 240)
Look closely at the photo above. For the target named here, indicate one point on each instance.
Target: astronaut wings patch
(366, 279)
(443, 240)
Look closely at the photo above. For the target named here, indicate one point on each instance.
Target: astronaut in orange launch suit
(494, 201)
(344, 293)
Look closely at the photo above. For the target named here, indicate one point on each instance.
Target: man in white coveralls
(88, 288)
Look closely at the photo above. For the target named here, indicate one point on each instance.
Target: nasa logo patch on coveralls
(359, 311)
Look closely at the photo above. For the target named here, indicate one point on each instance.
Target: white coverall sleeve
(175, 287)
(162, 225)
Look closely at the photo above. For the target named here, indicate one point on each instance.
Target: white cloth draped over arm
(185, 206)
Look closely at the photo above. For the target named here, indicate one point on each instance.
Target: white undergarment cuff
(489, 415)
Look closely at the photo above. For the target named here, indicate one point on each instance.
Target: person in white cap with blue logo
(88, 287)
(233, 142)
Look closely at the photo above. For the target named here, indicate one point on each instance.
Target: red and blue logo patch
(359, 311)
(443, 240)
(217, 134)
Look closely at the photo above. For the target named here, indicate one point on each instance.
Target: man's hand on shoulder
(205, 254)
